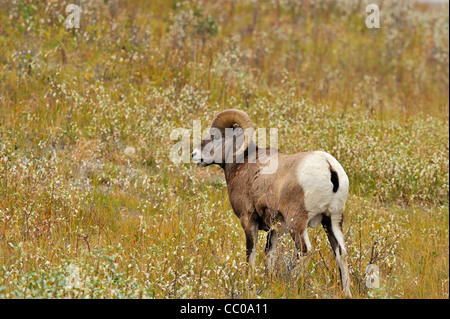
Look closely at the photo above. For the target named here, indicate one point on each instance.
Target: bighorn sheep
(305, 190)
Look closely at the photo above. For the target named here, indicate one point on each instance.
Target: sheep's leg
(251, 235)
(333, 229)
(303, 245)
(299, 234)
(298, 230)
(271, 247)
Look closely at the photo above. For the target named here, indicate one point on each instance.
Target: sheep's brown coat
(278, 202)
(268, 200)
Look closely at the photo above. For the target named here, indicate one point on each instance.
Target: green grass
(79, 218)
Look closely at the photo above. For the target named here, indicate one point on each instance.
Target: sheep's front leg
(251, 236)
(271, 247)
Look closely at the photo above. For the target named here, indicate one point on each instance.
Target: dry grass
(82, 217)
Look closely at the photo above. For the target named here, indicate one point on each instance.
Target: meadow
(91, 206)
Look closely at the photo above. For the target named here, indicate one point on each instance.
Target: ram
(304, 190)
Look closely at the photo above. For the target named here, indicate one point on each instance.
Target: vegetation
(91, 206)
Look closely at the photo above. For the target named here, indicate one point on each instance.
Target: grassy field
(91, 206)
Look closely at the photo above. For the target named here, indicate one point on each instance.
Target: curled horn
(228, 118)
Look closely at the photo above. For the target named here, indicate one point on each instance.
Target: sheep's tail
(334, 178)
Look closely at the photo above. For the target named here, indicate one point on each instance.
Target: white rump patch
(315, 178)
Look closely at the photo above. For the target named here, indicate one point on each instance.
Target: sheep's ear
(235, 126)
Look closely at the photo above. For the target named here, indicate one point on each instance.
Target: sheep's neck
(230, 169)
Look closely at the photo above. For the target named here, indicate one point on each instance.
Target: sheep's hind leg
(333, 229)
(303, 246)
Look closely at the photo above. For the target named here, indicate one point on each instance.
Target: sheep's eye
(216, 137)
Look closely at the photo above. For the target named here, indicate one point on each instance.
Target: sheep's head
(230, 130)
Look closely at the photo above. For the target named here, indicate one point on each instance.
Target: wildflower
(130, 151)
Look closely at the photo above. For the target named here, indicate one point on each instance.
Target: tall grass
(82, 217)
